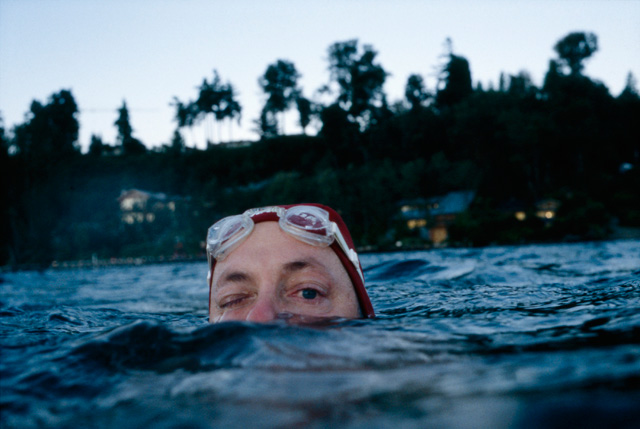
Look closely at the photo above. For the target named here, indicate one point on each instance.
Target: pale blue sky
(148, 51)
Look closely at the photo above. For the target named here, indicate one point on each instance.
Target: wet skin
(271, 275)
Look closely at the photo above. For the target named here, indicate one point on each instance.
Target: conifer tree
(130, 145)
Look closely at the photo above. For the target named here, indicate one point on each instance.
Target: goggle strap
(350, 253)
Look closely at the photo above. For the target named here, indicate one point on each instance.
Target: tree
(553, 79)
(8, 196)
(230, 107)
(130, 145)
(267, 124)
(185, 113)
(521, 85)
(96, 148)
(630, 90)
(52, 129)
(280, 82)
(340, 134)
(42, 177)
(360, 80)
(415, 92)
(574, 48)
(208, 102)
(305, 109)
(502, 84)
(627, 127)
(4, 140)
(177, 143)
(216, 100)
(456, 77)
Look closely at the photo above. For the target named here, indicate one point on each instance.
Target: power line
(114, 111)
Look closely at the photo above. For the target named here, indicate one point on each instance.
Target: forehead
(269, 244)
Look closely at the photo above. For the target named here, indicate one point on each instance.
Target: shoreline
(619, 234)
(104, 263)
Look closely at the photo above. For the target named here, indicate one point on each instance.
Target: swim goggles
(305, 223)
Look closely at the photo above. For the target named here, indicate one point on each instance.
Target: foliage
(50, 129)
(574, 48)
(456, 77)
(96, 148)
(305, 109)
(359, 79)
(177, 145)
(216, 100)
(279, 82)
(130, 145)
(569, 140)
(415, 91)
(267, 124)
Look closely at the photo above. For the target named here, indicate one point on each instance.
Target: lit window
(438, 234)
(416, 223)
(521, 216)
(127, 204)
(546, 214)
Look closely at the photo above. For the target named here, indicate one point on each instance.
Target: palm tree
(280, 82)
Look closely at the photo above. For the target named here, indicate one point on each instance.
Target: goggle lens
(227, 234)
(305, 217)
(309, 224)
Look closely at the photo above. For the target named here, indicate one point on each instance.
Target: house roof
(453, 203)
(141, 195)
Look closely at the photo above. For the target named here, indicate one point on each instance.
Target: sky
(146, 52)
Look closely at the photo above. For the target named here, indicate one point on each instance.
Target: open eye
(309, 293)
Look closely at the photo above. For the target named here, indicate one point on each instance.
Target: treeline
(569, 140)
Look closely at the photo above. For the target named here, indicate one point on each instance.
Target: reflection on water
(530, 336)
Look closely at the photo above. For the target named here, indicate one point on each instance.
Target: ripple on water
(509, 336)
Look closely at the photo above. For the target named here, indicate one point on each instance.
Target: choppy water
(518, 337)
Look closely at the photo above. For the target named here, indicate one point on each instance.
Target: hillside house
(433, 216)
(137, 206)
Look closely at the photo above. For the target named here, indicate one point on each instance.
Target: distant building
(433, 216)
(547, 209)
(137, 206)
(514, 207)
(232, 144)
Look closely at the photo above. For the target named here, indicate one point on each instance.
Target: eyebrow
(294, 266)
(301, 264)
(239, 276)
(233, 277)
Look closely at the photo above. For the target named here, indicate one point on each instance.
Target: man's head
(295, 262)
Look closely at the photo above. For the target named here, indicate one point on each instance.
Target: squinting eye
(309, 293)
(232, 303)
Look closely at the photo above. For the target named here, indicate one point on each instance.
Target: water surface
(518, 337)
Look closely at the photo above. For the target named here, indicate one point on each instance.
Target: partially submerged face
(271, 275)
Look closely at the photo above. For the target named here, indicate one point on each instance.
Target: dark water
(517, 337)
